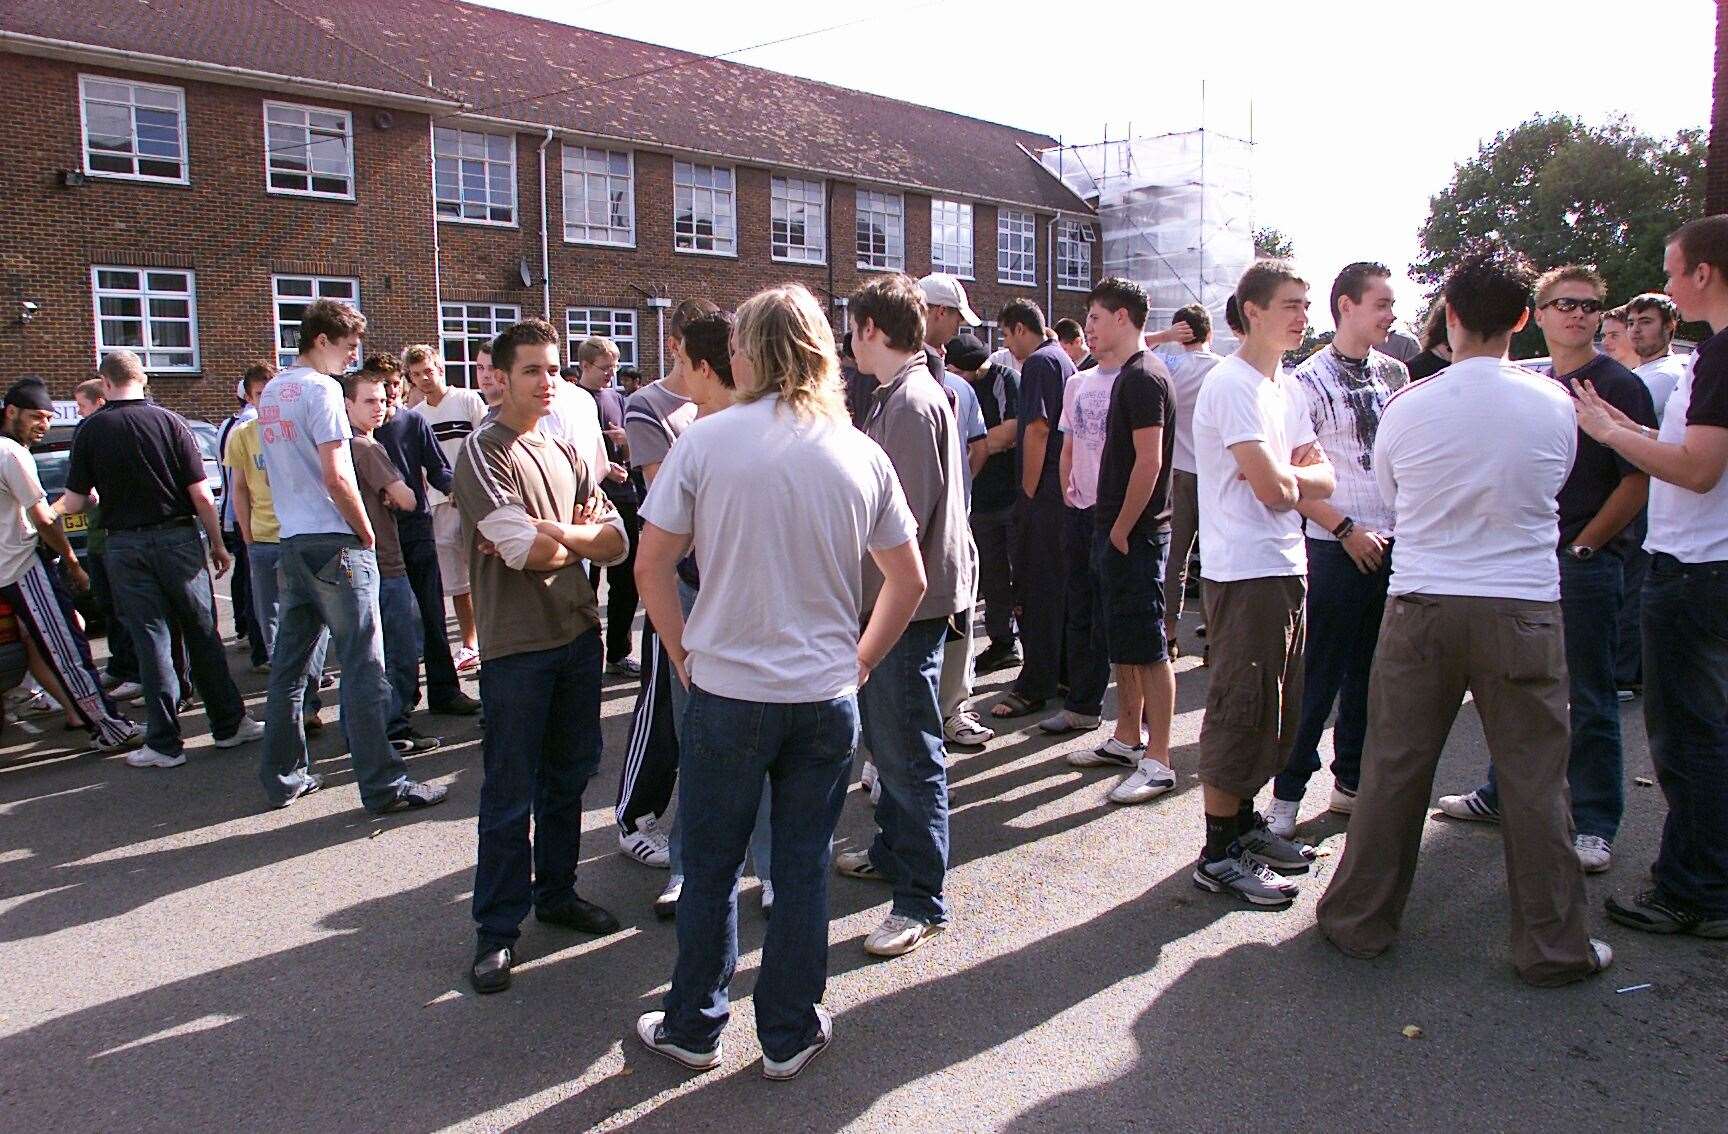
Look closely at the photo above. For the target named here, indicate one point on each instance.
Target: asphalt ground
(174, 958)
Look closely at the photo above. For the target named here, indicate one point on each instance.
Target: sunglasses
(1568, 305)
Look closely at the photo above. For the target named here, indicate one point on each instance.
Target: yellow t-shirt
(246, 457)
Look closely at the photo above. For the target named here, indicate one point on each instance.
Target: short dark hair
(1704, 241)
(331, 318)
(1021, 313)
(1117, 294)
(1257, 286)
(895, 303)
(354, 379)
(259, 372)
(1618, 314)
(1353, 281)
(628, 372)
(529, 332)
(1434, 326)
(381, 365)
(1490, 288)
(708, 338)
(1199, 321)
(479, 345)
(1068, 331)
(1652, 301)
(687, 310)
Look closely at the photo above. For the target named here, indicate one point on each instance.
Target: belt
(158, 526)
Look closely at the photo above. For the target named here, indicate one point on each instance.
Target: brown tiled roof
(533, 71)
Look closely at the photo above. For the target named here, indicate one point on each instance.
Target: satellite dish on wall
(524, 272)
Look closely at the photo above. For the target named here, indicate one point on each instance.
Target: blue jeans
(161, 583)
(400, 613)
(903, 727)
(329, 582)
(540, 748)
(261, 561)
(1083, 641)
(1590, 609)
(1686, 715)
(1344, 608)
(728, 747)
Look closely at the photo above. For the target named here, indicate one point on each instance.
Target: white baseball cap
(941, 290)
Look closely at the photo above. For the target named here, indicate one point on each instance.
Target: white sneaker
(1595, 854)
(1602, 953)
(649, 1029)
(666, 905)
(38, 704)
(1063, 721)
(964, 728)
(780, 1070)
(767, 898)
(898, 935)
(1470, 806)
(871, 782)
(125, 691)
(1282, 818)
(1149, 780)
(646, 844)
(857, 864)
(131, 737)
(148, 757)
(1111, 752)
(467, 660)
(248, 731)
(1343, 800)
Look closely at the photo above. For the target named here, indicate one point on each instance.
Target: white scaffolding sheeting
(1176, 214)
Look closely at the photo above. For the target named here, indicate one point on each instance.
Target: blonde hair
(421, 352)
(1571, 273)
(790, 345)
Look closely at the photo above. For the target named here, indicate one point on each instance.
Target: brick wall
(234, 235)
(1716, 178)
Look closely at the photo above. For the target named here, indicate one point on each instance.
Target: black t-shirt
(1709, 405)
(1426, 365)
(1042, 377)
(140, 458)
(1139, 400)
(610, 403)
(998, 390)
(1597, 471)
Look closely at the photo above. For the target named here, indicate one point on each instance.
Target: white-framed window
(1016, 247)
(152, 312)
(309, 150)
(474, 175)
(599, 196)
(703, 217)
(291, 295)
(881, 230)
(799, 223)
(1074, 255)
(462, 327)
(616, 323)
(951, 238)
(133, 130)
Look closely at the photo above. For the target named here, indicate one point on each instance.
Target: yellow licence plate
(77, 522)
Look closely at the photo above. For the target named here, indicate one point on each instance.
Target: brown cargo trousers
(1510, 655)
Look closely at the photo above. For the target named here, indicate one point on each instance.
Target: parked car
(54, 452)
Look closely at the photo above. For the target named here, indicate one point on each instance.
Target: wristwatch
(1581, 553)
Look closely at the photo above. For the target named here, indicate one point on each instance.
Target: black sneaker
(583, 917)
(1653, 914)
(998, 655)
(413, 796)
(460, 705)
(491, 969)
(410, 743)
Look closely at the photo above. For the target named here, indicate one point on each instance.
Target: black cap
(29, 393)
(965, 352)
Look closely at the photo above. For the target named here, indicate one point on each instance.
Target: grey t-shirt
(782, 512)
(301, 410)
(912, 421)
(654, 417)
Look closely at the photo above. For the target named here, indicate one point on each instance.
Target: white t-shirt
(1188, 370)
(782, 511)
(575, 416)
(452, 420)
(20, 488)
(1002, 356)
(1346, 399)
(1661, 375)
(1691, 526)
(301, 410)
(1085, 408)
(1241, 538)
(1472, 460)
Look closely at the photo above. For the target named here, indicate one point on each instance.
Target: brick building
(189, 172)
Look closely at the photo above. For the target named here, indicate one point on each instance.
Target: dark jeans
(1088, 660)
(1040, 591)
(728, 748)
(330, 583)
(1590, 610)
(240, 591)
(992, 532)
(161, 583)
(420, 557)
(1686, 715)
(620, 590)
(1344, 608)
(1629, 651)
(540, 748)
(122, 657)
(903, 727)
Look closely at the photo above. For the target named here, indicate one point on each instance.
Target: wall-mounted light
(73, 178)
(27, 310)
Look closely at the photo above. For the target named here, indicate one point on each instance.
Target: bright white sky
(1360, 109)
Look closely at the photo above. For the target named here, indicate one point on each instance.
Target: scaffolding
(1175, 213)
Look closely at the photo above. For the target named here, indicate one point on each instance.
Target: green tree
(1271, 244)
(1566, 192)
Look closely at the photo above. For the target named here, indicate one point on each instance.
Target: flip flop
(1014, 705)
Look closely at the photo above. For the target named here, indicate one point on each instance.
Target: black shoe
(583, 917)
(410, 743)
(415, 796)
(491, 970)
(460, 705)
(1653, 914)
(998, 655)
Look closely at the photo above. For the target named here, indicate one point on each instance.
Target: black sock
(1220, 833)
(1245, 817)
